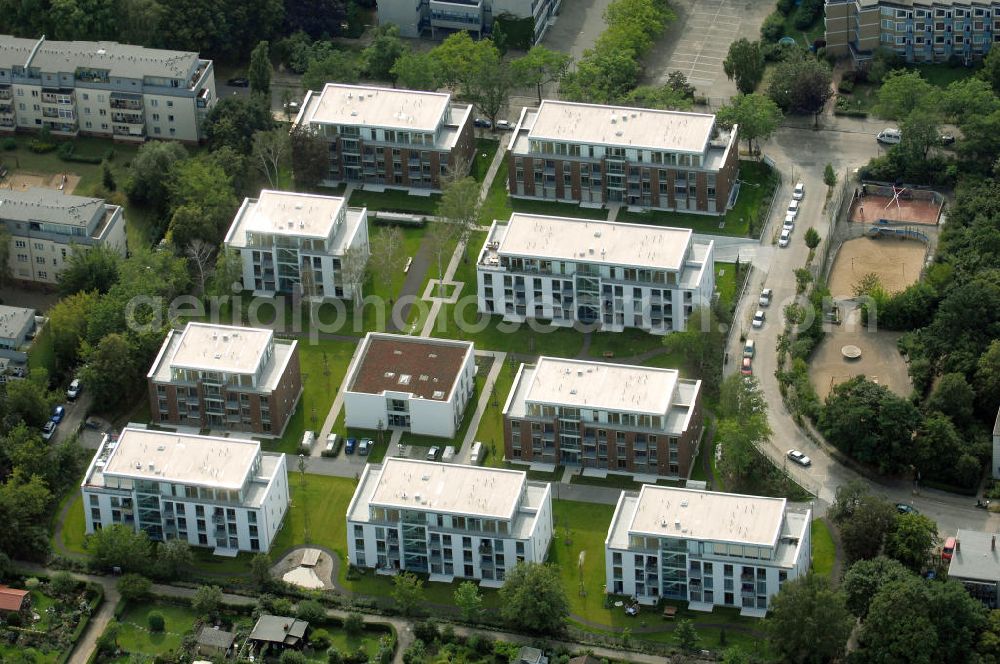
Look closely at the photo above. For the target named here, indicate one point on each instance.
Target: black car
(483, 122)
(238, 82)
(947, 139)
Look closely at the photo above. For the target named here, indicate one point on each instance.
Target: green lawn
(823, 551)
(135, 636)
(557, 209)
(725, 281)
(942, 75)
(324, 366)
(623, 344)
(498, 205)
(758, 182)
(395, 201)
(806, 37)
(326, 500)
(75, 526)
(490, 431)
(42, 354)
(616, 481)
(486, 150)
(350, 643)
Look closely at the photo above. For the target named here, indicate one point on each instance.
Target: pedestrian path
(484, 401)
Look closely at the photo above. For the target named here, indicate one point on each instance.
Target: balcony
(5, 93)
(6, 109)
(126, 104)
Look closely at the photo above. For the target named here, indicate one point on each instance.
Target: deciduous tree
(110, 371)
(234, 120)
(902, 92)
(336, 66)
(207, 600)
(174, 559)
(469, 601)
(259, 71)
(382, 52)
(310, 157)
(865, 578)
(757, 116)
(120, 546)
(745, 64)
(148, 184)
(134, 587)
(416, 71)
(808, 622)
(68, 326)
(407, 592)
(271, 150)
(539, 66)
(911, 540)
(533, 598)
(801, 85)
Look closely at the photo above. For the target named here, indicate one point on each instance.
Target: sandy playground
(875, 207)
(880, 360)
(897, 263)
(22, 180)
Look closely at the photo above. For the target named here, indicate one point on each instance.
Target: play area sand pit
(23, 180)
(879, 359)
(896, 262)
(306, 567)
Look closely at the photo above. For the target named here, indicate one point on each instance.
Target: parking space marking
(699, 57)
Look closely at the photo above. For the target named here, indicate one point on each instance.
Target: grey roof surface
(13, 320)
(279, 629)
(123, 60)
(14, 51)
(529, 655)
(49, 206)
(975, 557)
(217, 638)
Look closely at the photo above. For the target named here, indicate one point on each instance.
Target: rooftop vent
(684, 503)
(438, 394)
(397, 352)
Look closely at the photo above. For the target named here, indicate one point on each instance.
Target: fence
(835, 226)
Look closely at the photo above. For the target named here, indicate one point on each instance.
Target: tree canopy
(533, 599)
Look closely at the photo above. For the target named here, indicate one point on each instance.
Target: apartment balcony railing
(126, 104)
(5, 93)
(6, 109)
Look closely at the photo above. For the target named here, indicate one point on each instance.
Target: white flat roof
(562, 238)
(448, 488)
(371, 106)
(228, 348)
(622, 126)
(183, 458)
(662, 511)
(617, 387)
(14, 320)
(289, 213)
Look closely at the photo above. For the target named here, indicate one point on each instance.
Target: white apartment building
(624, 418)
(223, 493)
(103, 89)
(601, 273)
(440, 18)
(17, 329)
(291, 242)
(416, 384)
(448, 520)
(706, 548)
(47, 226)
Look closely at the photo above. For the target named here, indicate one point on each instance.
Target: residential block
(225, 378)
(705, 548)
(918, 31)
(975, 563)
(297, 243)
(638, 157)
(108, 89)
(417, 384)
(624, 418)
(388, 138)
(598, 273)
(448, 520)
(439, 18)
(17, 329)
(222, 493)
(47, 226)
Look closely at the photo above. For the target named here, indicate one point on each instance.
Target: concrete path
(412, 284)
(449, 274)
(462, 456)
(98, 622)
(491, 172)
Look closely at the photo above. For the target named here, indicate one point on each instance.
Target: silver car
(799, 458)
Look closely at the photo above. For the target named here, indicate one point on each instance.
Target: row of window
(939, 13)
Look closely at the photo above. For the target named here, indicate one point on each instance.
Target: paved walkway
(491, 172)
(462, 456)
(412, 284)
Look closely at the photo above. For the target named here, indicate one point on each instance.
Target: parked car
(799, 192)
(74, 389)
(758, 319)
(785, 238)
(749, 348)
(505, 125)
(793, 210)
(946, 139)
(58, 413)
(948, 550)
(349, 447)
(889, 136)
(765, 297)
(483, 122)
(49, 430)
(903, 508)
(432, 453)
(365, 447)
(292, 107)
(746, 368)
(799, 458)
(238, 82)
(788, 226)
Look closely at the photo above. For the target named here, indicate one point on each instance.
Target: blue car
(58, 414)
(349, 446)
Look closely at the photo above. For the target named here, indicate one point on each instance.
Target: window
(170, 104)
(154, 102)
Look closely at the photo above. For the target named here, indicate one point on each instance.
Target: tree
(469, 601)
(904, 91)
(292, 657)
(864, 533)
(757, 116)
(29, 400)
(310, 157)
(120, 546)
(89, 269)
(987, 376)
(110, 371)
(260, 571)
(62, 584)
(865, 578)
(967, 97)
(354, 623)
(745, 64)
(801, 85)
(700, 343)
(202, 255)
(387, 251)
(354, 272)
(155, 621)
(270, 150)
(662, 97)
(954, 397)
(259, 71)
(338, 66)
(678, 82)
(173, 559)
(382, 52)
(207, 600)
(107, 177)
(138, 21)
(147, 184)
(233, 121)
(808, 622)
(227, 277)
(533, 599)
(440, 239)
(478, 70)
(320, 19)
(134, 587)
(407, 592)
(911, 540)
(203, 202)
(68, 326)
(416, 71)
(539, 66)
(311, 611)
(460, 204)
(812, 238)
(686, 636)
(829, 176)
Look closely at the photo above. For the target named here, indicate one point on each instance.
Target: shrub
(786, 7)
(156, 622)
(66, 150)
(426, 631)
(9, 143)
(311, 611)
(62, 584)
(40, 147)
(773, 27)
(354, 623)
(333, 656)
(134, 587)
(846, 85)
(292, 657)
(319, 639)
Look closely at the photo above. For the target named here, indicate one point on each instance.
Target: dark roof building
(280, 630)
(214, 641)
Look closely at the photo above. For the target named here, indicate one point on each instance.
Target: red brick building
(403, 139)
(639, 157)
(222, 377)
(623, 418)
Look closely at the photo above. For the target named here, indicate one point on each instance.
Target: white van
(331, 442)
(889, 136)
(749, 348)
(449, 454)
(474, 454)
(308, 439)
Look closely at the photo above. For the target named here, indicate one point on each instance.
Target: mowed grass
(325, 499)
(135, 637)
(486, 150)
(74, 528)
(824, 552)
(499, 205)
(490, 431)
(392, 200)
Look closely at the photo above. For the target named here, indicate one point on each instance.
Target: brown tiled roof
(11, 599)
(409, 364)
